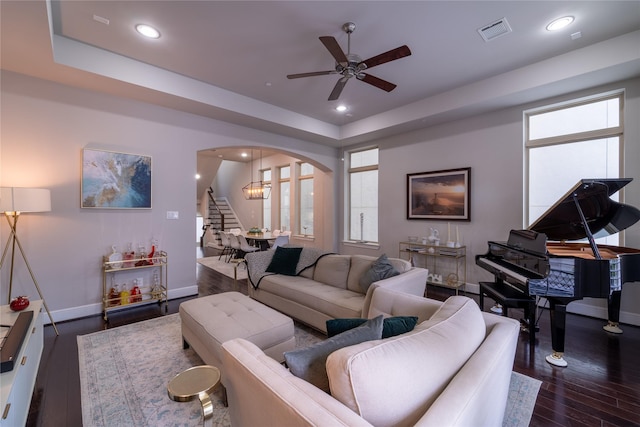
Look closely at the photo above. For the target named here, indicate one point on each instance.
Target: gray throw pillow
(380, 269)
(310, 363)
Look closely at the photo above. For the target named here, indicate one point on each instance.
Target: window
(266, 203)
(305, 207)
(568, 142)
(363, 195)
(285, 198)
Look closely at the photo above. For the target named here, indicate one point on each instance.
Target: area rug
(225, 268)
(124, 373)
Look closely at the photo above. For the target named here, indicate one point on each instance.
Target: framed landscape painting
(439, 195)
(113, 180)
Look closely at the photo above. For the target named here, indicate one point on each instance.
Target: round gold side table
(199, 382)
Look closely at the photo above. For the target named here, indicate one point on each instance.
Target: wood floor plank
(557, 410)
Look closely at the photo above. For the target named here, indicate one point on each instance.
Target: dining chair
(245, 247)
(226, 245)
(235, 246)
(280, 240)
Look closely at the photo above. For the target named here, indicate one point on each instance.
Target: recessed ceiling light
(197, 176)
(341, 108)
(559, 23)
(244, 154)
(148, 31)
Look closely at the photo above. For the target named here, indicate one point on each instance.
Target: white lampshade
(19, 199)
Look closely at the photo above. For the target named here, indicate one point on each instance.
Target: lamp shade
(20, 199)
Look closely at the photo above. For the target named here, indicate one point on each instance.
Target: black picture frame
(439, 195)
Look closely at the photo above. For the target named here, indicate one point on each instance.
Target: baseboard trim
(94, 309)
(578, 307)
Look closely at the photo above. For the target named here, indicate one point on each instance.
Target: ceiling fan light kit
(351, 65)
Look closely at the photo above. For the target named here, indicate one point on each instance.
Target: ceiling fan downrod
(348, 27)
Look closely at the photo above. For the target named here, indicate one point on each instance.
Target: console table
(16, 385)
(447, 265)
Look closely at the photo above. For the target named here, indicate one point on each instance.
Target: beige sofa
(328, 289)
(453, 369)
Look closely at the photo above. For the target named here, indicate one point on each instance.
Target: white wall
(492, 145)
(45, 126)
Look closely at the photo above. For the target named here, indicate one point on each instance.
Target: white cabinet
(16, 386)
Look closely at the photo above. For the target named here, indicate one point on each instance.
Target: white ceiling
(229, 59)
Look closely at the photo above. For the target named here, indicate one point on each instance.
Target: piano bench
(507, 296)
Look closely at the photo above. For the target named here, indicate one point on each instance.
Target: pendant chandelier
(256, 190)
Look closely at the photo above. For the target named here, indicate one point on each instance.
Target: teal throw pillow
(285, 261)
(391, 326)
(338, 326)
(310, 363)
(380, 269)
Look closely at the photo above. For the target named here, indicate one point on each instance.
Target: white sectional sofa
(453, 369)
(326, 286)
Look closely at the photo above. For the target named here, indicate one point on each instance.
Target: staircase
(221, 218)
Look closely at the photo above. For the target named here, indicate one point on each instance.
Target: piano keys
(564, 272)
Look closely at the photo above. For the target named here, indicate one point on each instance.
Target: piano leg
(558, 314)
(614, 313)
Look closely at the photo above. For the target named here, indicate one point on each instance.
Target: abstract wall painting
(112, 180)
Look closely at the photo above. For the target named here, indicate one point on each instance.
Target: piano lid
(604, 216)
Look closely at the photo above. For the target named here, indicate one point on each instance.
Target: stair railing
(217, 211)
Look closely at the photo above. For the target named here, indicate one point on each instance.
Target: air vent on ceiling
(495, 30)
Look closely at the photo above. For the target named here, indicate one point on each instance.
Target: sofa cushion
(379, 270)
(329, 300)
(333, 270)
(285, 260)
(391, 327)
(309, 363)
(308, 272)
(359, 265)
(407, 372)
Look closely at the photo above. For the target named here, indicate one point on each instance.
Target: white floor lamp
(13, 202)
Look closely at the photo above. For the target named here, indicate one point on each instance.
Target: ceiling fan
(351, 65)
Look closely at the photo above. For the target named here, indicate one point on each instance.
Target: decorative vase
(19, 303)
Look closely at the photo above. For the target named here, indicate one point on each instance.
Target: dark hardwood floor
(600, 387)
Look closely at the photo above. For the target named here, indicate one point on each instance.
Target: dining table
(261, 240)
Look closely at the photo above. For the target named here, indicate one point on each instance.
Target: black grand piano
(561, 271)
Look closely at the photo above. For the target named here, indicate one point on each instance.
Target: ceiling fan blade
(315, 73)
(377, 82)
(334, 49)
(337, 89)
(392, 55)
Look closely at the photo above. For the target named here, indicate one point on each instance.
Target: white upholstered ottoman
(209, 321)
